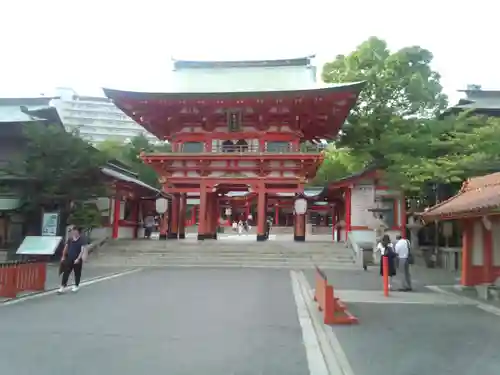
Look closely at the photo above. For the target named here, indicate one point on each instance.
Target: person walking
(149, 224)
(402, 249)
(387, 251)
(72, 259)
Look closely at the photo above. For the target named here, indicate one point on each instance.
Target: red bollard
(385, 274)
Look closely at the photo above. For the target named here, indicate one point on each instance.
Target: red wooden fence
(17, 277)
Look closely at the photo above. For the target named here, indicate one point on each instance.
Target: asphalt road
(421, 339)
(171, 321)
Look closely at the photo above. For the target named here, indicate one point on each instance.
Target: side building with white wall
(96, 118)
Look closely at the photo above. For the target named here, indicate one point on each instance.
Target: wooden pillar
(299, 226)
(276, 215)
(116, 217)
(202, 213)
(334, 221)
(182, 216)
(261, 214)
(135, 216)
(247, 210)
(173, 232)
(488, 256)
(213, 217)
(348, 195)
(467, 243)
(209, 220)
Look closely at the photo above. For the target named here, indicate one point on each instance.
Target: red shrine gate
(237, 141)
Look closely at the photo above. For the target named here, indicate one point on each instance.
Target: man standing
(402, 248)
(149, 224)
(72, 259)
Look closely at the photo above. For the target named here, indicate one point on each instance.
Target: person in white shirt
(386, 249)
(402, 248)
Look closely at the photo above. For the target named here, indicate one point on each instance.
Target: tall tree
(338, 163)
(128, 153)
(399, 84)
(58, 168)
(441, 151)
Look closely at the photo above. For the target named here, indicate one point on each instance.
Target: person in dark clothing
(71, 260)
(388, 252)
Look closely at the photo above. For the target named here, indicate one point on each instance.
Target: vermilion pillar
(182, 216)
(488, 256)
(214, 216)
(348, 195)
(173, 232)
(261, 215)
(116, 217)
(299, 232)
(135, 216)
(467, 243)
(276, 215)
(209, 217)
(202, 214)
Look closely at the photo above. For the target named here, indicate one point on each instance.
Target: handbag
(411, 260)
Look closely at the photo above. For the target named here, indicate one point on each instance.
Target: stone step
(264, 252)
(230, 255)
(228, 259)
(219, 263)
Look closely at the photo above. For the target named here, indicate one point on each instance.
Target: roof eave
(354, 87)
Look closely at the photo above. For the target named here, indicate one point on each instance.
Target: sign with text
(39, 245)
(50, 223)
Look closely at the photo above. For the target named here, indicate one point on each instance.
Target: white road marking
(315, 360)
(332, 350)
(82, 284)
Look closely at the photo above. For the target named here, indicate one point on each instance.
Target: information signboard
(39, 245)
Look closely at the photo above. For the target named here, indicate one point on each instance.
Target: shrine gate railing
(257, 149)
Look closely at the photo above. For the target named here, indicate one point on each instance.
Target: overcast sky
(128, 44)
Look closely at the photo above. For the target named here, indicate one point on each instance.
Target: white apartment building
(96, 118)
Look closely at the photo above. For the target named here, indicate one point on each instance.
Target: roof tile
(477, 195)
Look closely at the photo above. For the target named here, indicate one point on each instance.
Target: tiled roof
(477, 196)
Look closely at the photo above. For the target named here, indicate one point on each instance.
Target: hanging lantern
(300, 206)
(161, 205)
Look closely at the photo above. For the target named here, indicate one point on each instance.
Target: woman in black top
(391, 255)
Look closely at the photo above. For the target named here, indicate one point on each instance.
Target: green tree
(338, 163)
(441, 151)
(129, 152)
(61, 169)
(399, 85)
(86, 215)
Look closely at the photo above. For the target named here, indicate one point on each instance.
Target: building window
(192, 147)
(278, 147)
(227, 146)
(241, 146)
(234, 121)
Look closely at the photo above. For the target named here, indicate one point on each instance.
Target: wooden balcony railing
(242, 149)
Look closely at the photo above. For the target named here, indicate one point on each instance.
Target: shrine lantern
(161, 205)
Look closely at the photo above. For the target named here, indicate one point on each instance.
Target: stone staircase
(225, 253)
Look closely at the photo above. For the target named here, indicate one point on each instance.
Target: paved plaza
(244, 321)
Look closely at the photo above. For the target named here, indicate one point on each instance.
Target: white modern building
(96, 118)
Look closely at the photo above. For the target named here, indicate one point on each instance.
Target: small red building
(477, 207)
(130, 201)
(247, 133)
